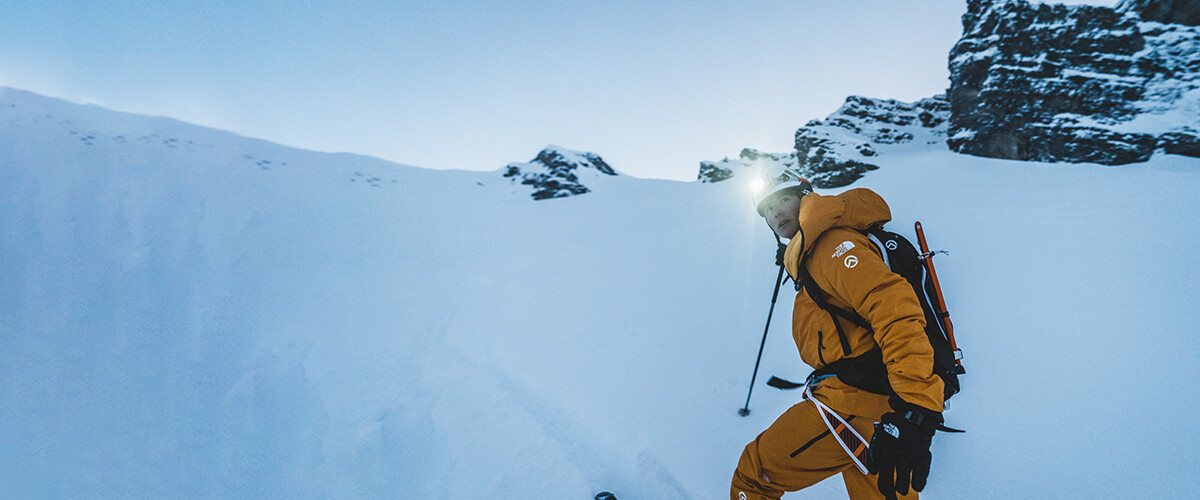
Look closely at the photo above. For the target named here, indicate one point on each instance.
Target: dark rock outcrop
(555, 172)
(1068, 83)
(1164, 11)
(838, 150)
(712, 172)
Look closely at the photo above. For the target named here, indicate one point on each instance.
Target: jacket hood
(858, 209)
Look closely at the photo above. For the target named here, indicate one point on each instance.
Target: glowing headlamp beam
(757, 185)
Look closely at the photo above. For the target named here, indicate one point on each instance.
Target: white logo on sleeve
(851, 261)
(841, 250)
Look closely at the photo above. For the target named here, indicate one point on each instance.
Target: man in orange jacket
(827, 433)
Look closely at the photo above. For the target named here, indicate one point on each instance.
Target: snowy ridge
(888, 121)
(180, 322)
(838, 150)
(748, 162)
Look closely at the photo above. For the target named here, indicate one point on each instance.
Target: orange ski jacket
(848, 268)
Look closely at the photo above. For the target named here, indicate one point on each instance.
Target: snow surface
(186, 313)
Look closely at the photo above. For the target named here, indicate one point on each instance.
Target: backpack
(867, 371)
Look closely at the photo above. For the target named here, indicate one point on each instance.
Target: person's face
(782, 211)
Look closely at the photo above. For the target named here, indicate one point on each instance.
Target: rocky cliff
(1164, 11)
(1073, 83)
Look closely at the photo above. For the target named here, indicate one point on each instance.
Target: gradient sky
(653, 87)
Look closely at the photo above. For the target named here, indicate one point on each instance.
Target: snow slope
(189, 313)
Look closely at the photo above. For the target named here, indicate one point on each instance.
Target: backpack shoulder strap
(818, 296)
(873, 236)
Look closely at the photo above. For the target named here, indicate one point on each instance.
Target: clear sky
(654, 87)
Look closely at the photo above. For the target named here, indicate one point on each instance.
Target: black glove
(779, 254)
(900, 448)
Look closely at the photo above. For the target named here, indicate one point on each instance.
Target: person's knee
(751, 488)
(749, 480)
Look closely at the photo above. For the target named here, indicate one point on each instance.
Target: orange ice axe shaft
(942, 313)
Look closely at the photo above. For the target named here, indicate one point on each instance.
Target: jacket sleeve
(846, 266)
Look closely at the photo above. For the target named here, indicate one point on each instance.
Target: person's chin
(786, 231)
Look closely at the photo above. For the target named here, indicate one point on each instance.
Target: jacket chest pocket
(820, 346)
(814, 333)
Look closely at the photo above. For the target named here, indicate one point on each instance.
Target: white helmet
(770, 184)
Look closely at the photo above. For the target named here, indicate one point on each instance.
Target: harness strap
(846, 436)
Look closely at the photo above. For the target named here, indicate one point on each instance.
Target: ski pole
(745, 410)
(941, 311)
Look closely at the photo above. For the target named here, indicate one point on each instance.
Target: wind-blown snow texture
(188, 313)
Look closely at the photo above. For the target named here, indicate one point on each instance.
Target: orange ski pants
(798, 451)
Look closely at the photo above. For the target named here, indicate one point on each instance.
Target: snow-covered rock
(838, 150)
(748, 161)
(715, 171)
(555, 172)
(1164, 11)
(1079, 83)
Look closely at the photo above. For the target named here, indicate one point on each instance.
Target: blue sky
(653, 87)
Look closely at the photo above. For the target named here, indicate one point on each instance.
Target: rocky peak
(1070, 83)
(838, 150)
(556, 171)
(747, 162)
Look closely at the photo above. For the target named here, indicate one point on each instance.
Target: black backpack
(867, 371)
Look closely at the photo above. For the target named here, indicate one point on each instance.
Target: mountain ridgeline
(1028, 81)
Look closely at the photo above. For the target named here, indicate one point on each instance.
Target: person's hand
(899, 451)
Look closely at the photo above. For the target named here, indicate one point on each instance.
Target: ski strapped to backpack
(867, 371)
